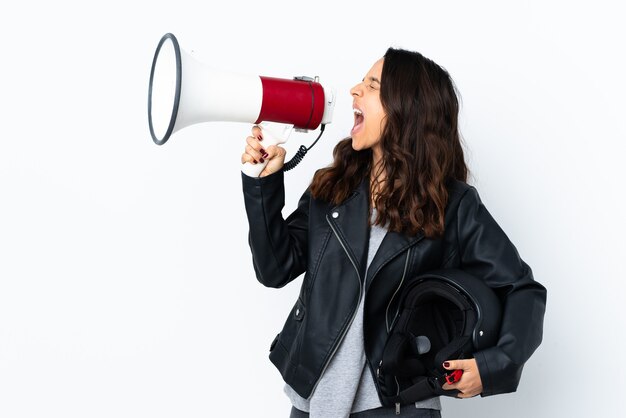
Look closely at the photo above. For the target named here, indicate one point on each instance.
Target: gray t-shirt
(347, 386)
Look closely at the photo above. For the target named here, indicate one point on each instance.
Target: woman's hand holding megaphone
(263, 156)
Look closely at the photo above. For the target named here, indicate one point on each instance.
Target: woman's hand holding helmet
(470, 383)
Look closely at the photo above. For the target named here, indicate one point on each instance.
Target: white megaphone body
(183, 92)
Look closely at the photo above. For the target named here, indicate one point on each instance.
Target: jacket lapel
(350, 220)
(392, 245)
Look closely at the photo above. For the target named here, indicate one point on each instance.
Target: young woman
(393, 204)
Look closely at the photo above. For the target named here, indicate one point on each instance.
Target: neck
(377, 155)
(377, 178)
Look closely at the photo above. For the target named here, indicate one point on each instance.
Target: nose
(357, 90)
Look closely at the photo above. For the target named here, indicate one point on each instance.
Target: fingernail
(260, 137)
(262, 151)
(266, 155)
(445, 363)
(261, 160)
(254, 161)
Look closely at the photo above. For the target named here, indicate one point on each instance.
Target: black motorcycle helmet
(443, 315)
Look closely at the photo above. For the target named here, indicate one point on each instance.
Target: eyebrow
(373, 79)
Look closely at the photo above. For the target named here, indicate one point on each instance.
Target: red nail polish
(260, 137)
(261, 160)
(445, 363)
(262, 151)
(266, 155)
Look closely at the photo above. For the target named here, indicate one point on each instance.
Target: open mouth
(358, 120)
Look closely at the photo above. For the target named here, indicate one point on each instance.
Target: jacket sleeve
(486, 252)
(279, 246)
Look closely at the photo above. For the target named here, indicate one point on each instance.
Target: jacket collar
(351, 220)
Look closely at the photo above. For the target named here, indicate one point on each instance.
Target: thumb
(456, 364)
(276, 151)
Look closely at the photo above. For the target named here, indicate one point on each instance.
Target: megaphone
(184, 91)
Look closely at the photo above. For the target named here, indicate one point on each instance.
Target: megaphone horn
(184, 91)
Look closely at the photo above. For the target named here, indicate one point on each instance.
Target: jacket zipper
(376, 372)
(356, 309)
(406, 265)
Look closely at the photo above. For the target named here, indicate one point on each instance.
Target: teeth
(357, 112)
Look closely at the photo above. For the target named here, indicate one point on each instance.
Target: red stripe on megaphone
(296, 102)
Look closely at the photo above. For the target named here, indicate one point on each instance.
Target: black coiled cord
(295, 160)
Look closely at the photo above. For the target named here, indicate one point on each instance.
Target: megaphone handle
(273, 134)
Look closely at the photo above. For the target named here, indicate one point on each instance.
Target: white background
(126, 285)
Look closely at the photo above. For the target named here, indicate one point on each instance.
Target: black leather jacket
(329, 244)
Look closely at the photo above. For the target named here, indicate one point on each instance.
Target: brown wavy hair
(421, 149)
